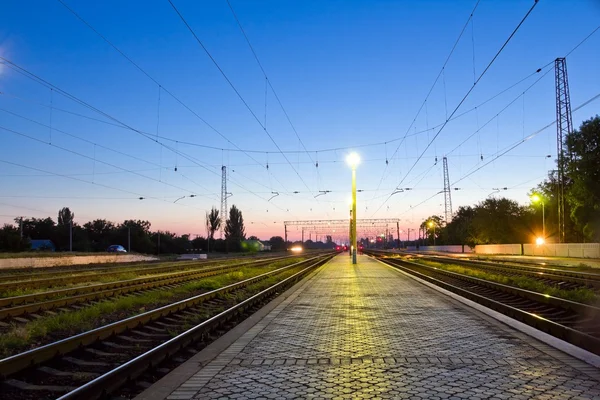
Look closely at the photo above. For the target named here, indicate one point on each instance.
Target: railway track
(22, 309)
(561, 278)
(573, 322)
(97, 362)
(36, 279)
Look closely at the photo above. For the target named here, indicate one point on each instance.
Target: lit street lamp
(353, 160)
(535, 199)
(431, 224)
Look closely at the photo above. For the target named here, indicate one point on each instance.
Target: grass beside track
(581, 295)
(51, 328)
(21, 287)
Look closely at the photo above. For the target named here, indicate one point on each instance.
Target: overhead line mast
(447, 196)
(564, 127)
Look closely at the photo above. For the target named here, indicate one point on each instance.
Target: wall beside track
(579, 250)
(36, 262)
(575, 250)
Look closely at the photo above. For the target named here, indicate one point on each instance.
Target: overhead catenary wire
(515, 30)
(139, 195)
(524, 140)
(433, 85)
(75, 99)
(323, 150)
(160, 86)
(505, 151)
(97, 160)
(236, 90)
(268, 81)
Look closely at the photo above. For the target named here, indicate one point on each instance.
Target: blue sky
(348, 73)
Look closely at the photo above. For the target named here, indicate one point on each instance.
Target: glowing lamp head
(536, 198)
(353, 159)
(540, 241)
(430, 223)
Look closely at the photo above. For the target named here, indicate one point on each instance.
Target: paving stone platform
(368, 331)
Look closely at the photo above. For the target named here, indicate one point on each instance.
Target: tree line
(99, 234)
(496, 221)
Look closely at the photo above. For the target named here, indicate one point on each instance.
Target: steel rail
(36, 297)
(112, 380)
(543, 273)
(34, 273)
(13, 364)
(95, 292)
(48, 282)
(571, 335)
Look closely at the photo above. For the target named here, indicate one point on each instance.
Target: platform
(369, 331)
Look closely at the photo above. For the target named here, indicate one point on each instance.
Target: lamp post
(537, 198)
(353, 160)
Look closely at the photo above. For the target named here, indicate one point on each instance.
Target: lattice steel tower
(223, 199)
(563, 128)
(447, 196)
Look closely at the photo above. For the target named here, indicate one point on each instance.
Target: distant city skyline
(85, 127)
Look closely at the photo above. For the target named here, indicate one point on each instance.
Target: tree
(65, 216)
(138, 232)
(234, 229)
(253, 238)
(213, 223)
(433, 226)
(63, 228)
(101, 234)
(277, 243)
(460, 229)
(582, 167)
(10, 239)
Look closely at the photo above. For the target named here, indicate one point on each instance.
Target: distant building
(42, 245)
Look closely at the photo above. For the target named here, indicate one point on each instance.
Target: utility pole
(129, 239)
(21, 226)
(447, 195)
(398, 231)
(563, 128)
(223, 198)
(71, 235)
(285, 234)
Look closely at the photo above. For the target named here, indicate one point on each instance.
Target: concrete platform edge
(565, 347)
(163, 388)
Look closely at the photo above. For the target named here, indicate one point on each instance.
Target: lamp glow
(540, 241)
(535, 198)
(353, 159)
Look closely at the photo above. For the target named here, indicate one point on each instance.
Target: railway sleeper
(24, 386)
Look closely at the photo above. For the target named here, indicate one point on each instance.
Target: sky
(104, 103)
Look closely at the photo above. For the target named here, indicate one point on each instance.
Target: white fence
(574, 250)
(512, 249)
(578, 250)
(56, 261)
(445, 249)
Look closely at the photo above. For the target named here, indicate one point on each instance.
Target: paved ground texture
(367, 331)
